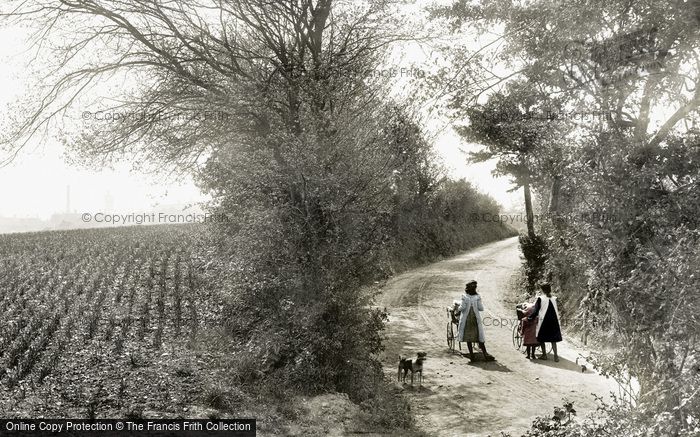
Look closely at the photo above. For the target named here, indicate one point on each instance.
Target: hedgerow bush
(534, 250)
(298, 272)
(630, 274)
(614, 418)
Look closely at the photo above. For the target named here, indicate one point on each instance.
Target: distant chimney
(67, 199)
(109, 202)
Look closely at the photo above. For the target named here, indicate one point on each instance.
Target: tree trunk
(528, 212)
(554, 195)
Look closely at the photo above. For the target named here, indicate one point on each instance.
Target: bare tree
(202, 72)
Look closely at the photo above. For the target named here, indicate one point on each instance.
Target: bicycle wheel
(517, 337)
(450, 337)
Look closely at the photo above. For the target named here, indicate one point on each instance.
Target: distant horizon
(175, 213)
(131, 190)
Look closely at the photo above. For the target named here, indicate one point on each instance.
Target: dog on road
(414, 366)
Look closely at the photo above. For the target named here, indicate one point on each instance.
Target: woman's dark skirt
(550, 331)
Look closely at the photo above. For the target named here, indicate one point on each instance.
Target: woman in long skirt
(471, 328)
(548, 328)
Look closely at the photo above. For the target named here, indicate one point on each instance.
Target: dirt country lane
(481, 399)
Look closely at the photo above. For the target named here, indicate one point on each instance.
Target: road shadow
(493, 365)
(421, 390)
(562, 364)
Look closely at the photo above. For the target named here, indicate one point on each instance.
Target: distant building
(109, 202)
(68, 220)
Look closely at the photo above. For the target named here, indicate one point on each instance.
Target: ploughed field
(104, 323)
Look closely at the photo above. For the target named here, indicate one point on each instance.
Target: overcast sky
(34, 185)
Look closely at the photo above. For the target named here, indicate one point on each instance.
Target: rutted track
(463, 399)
